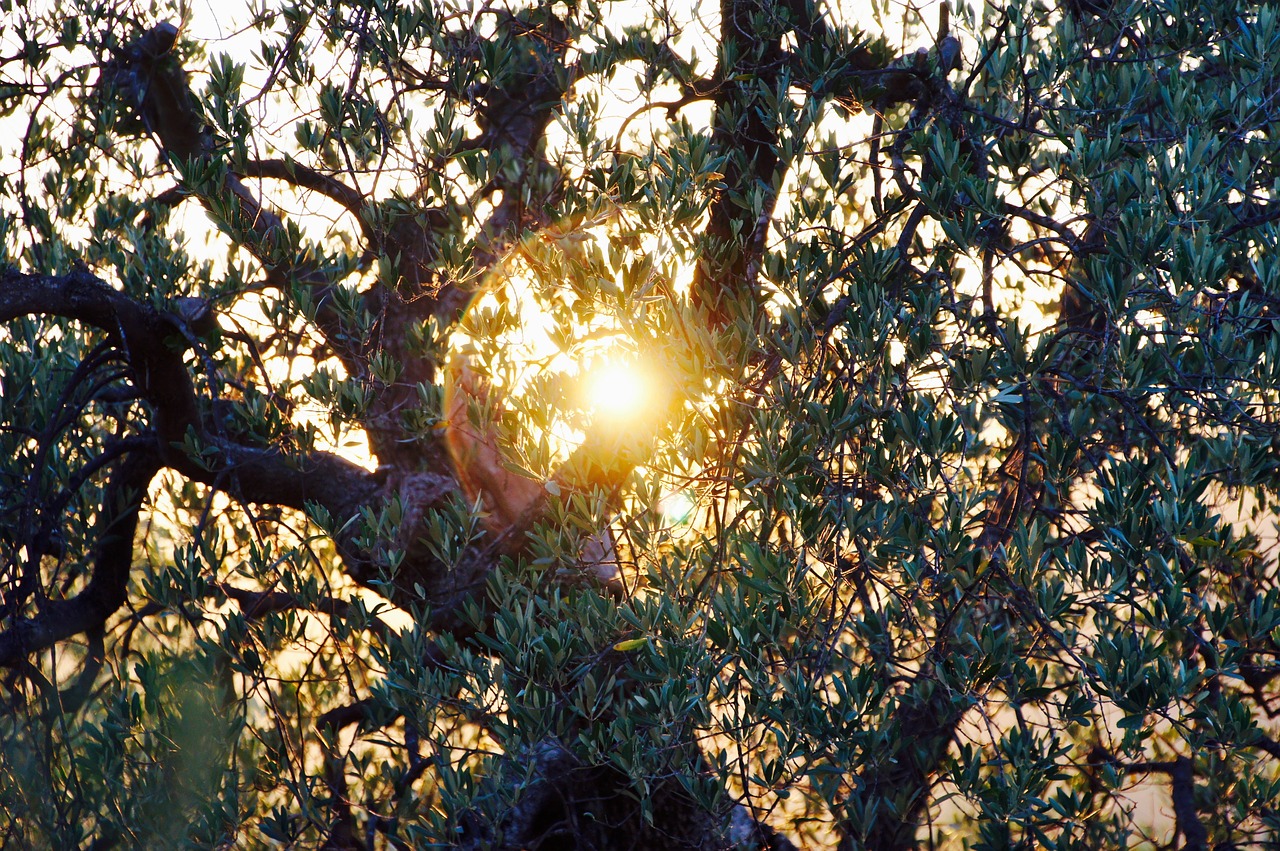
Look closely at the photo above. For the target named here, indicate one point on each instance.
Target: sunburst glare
(617, 389)
(677, 509)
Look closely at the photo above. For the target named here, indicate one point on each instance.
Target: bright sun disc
(618, 390)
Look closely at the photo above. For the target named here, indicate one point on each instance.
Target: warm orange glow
(618, 390)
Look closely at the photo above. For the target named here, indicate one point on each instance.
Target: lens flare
(677, 508)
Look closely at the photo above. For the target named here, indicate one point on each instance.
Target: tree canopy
(586, 425)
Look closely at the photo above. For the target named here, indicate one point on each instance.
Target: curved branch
(671, 106)
(74, 696)
(307, 178)
(270, 476)
(140, 331)
(154, 349)
(105, 593)
(257, 604)
(154, 85)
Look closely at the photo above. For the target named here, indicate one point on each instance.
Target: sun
(617, 390)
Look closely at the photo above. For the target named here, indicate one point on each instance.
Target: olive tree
(946, 514)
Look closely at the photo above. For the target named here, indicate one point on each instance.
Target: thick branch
(154, 350)
(734, 244)
(140, 332)
(154, 85)
(1182, 780)
(113, 557)
(1181, 772)
(897, 779)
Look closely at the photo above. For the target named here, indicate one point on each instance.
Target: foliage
(949, 514)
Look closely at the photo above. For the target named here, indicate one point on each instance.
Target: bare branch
(1181, 774)
(306, 178)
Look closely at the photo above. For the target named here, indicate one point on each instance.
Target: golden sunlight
(616, 389)
(677, 508)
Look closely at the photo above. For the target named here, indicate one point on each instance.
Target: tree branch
(734, 239)
(153, 349)
(152, 83)
(140, 332)
(901, 773)
(251, 474)
(1181, 774)
(105, 593)
(257, 604)
(307, 178)
(1266, 744)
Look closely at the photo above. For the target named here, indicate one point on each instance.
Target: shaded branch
(154, 349)
(74, 696)
(113, 557)
(734, 239)
(154, 85)
(1266, 744)
(901, 772)
(257, 604)
(306, 178)
(1181, 773)
(1266, 214)
(141, 332)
